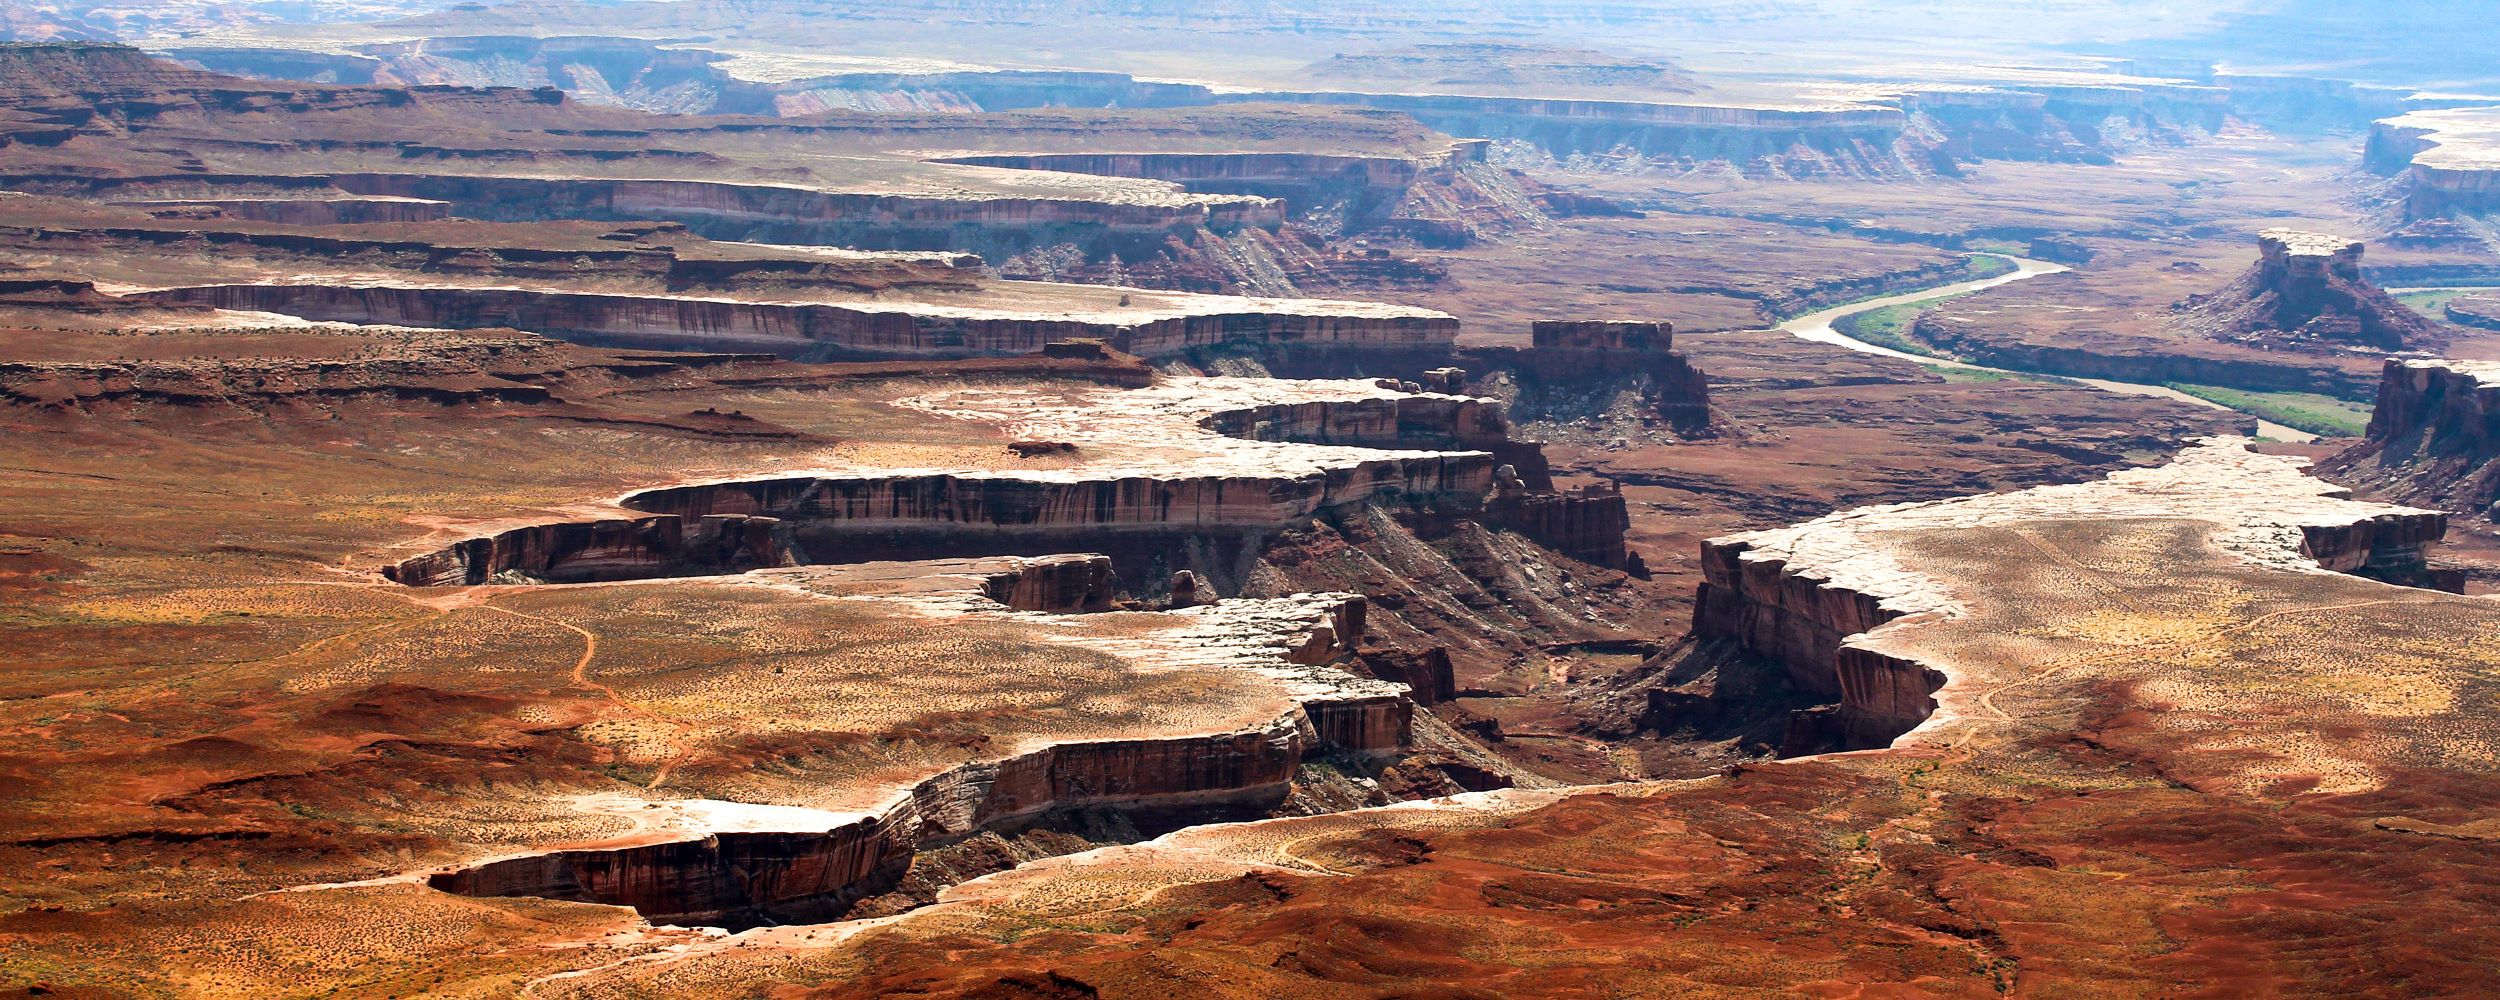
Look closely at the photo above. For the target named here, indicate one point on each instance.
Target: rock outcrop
(1255, 455)
(849, 218)
(608, 549)
(869, 327)
(1572, 362)
(737, 865)
(2434, 437)
(1815, 597)
(2306, 292)
(2481, 309)
(1587, 523)
(2449, 159)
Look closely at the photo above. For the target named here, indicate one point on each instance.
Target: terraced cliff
(2434, 436)
(1819, 597)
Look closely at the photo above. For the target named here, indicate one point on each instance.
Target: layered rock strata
(2481, 309)
(2434, 437)
(1300, 180)
(856, 218)
(1189, 471)
(738, 865)
(2306, 291)
(1587, 523)
(2449, 158)
(1165, 323)
(608, 549)
(1821, 597)
(1579, 357)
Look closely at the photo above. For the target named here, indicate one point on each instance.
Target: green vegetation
(1996, 265)
(1953, 373)
(1890, 325)
(2308, 411)
(2431, 303)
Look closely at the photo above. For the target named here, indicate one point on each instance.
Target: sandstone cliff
(2433, 438)
(1573, 365)
(612, 549)
(1816, 597)
(873, 327)
(739, 866)
(2305, 292)
(2447, 159)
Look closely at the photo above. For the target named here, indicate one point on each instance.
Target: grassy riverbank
(2322, 415)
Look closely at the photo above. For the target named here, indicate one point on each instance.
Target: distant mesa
(2306, 292)
(2448, 158)
(1506, 66)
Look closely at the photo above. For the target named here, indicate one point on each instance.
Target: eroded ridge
(1214, 460)
(2156, 675)
(739, 864)
(1831, 598)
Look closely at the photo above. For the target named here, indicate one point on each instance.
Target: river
(1817, 327)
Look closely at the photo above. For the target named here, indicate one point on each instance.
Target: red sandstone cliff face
(727, 879)
(1064, 584)
(1301, 180)
(1574, 362)
(494, 197)
(742, 878)
(2434, 438)
(1416, 421)
(1803, 622)
(1800, 622)
(975, 504)
(2434, 186)
(305, 211)
(1587, 524)
(899, 331)
(614, 549)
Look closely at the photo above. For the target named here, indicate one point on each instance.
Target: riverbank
(1820, 327)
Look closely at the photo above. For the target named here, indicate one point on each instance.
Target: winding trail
(581, 679)
(1819, 327)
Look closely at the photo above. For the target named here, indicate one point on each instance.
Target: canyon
(2304, 317)
(1003, 499)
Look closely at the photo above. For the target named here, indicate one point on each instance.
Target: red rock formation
(1579, 357)
(1378, 724)
(2445, 158)
(488, 196)
(613, 549)
(1601, 335)
(2306, 291)
(1428, 675)
(1412, 421)
(1586, 524)
(2478, 310)
(727, 879)
(1299, 179)
(1807, 621)
(2434, 438)
(1062, 584)
(891, 329)
(744, 877)
(1004, 503)
(306, 211)
(1796, 620)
